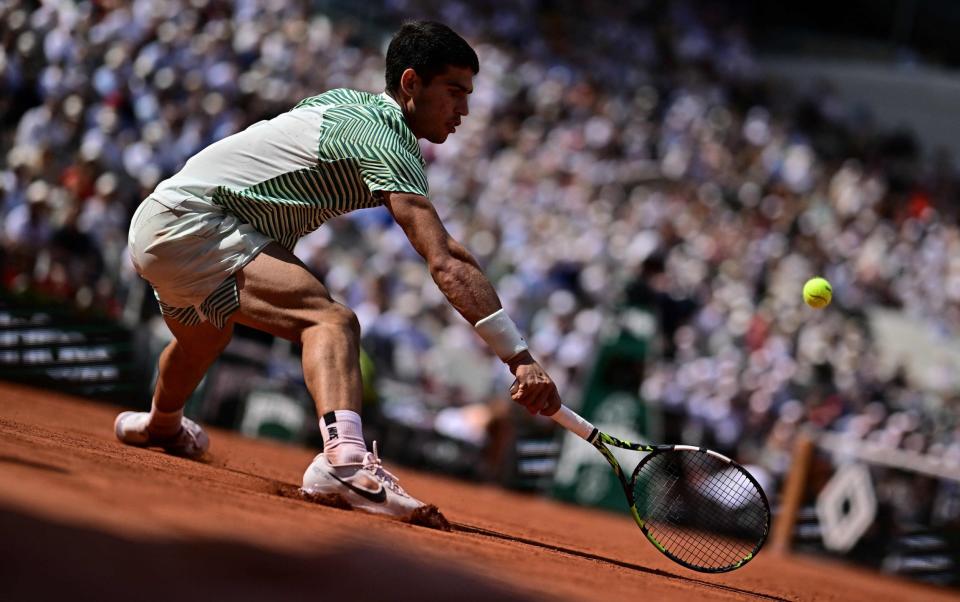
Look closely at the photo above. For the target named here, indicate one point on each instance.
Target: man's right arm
(453, 268)
(460, 279)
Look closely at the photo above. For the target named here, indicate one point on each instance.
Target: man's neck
(402, 105)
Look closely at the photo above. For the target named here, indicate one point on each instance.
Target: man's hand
(533, 388)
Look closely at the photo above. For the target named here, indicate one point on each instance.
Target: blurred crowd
(646, 164)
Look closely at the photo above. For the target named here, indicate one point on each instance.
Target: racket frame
(573, 422)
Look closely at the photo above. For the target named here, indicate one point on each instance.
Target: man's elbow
(441, 264)
(460, 253)
(445, 270)
(450, 262)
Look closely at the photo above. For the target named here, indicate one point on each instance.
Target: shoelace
(372, 463)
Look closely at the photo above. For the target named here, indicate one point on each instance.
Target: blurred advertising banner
(889, 509)
(53, 346)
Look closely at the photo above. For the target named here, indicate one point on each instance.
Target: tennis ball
(817, 293)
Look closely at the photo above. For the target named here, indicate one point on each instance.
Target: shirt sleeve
(384, 163)
(392, 170)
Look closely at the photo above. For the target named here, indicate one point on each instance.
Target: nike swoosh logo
(377, 497)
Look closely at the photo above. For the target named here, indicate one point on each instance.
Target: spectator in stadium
(215, 241)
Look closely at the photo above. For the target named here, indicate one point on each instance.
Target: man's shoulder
(364, 116)
(354, 105)
(339, 97)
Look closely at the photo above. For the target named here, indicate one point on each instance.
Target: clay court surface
(83, 517)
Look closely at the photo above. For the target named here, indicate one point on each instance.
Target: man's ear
(409, 82)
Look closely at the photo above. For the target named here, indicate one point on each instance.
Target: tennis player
(215, 242)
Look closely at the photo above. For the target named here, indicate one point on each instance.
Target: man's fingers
(546, 399)
(552, 405)
(537, 394)
(523, 394)
(538, 397)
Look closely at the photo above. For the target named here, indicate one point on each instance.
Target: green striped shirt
(329, 155)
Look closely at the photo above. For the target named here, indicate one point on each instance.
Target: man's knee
(341, 317)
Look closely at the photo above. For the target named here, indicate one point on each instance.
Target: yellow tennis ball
(817, 293)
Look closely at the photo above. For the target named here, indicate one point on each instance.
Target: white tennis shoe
(366, 486)
(190, 442)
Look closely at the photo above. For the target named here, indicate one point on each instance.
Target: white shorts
(189, 251)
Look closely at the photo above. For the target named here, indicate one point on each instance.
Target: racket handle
(573, 422)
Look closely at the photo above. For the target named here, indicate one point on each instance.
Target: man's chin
(439, 138)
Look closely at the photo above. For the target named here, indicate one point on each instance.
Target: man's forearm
(466, 288)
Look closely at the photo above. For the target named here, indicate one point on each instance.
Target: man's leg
(279, 295)
(182, 365)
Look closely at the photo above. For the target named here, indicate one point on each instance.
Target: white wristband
(501, 334)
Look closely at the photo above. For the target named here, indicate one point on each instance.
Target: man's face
(434, 110)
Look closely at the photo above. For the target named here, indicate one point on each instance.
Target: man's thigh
(202, 342)
(279, 295)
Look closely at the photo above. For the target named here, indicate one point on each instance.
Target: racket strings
(703, 511)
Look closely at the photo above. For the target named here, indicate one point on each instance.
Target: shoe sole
(341, 500)
(425, 516)
(333, 500)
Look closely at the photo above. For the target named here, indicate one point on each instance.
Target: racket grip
(573, 422)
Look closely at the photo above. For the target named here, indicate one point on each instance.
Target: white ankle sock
(343, 437)
(164, 423)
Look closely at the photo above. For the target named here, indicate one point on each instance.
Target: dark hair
(428, 48)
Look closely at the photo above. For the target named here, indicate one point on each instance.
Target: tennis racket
(699, 508)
